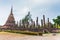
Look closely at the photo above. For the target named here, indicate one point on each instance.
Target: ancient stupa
(10, 23)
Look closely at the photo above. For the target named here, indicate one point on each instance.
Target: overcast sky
(50, 8)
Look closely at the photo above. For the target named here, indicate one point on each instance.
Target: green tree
(57, 21)
(27, 18)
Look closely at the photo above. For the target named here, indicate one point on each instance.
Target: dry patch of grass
(12, 34)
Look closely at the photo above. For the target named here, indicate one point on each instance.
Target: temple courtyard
(14, 36)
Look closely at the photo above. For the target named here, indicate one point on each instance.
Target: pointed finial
(11, 9)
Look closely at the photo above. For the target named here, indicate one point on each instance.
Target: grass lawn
(24, 32)
(12, 34)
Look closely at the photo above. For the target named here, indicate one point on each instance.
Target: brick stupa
(10, 23)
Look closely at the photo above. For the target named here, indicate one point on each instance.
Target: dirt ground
(14, 36)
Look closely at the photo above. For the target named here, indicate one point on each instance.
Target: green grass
(24, 32)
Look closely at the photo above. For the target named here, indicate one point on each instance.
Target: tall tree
(26, 20)
(57, 21)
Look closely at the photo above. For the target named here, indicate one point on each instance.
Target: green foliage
(57, 20)
(27, 18)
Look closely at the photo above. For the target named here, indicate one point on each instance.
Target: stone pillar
(17, 23)
(44, 21)
(23, 25)
(37, 22)
(33, 24)
(41, 23)
(48, 23)
(20, 23)
(27, 24)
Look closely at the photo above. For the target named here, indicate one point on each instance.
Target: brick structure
(10, 23)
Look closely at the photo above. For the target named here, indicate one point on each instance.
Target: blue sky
(50, 8)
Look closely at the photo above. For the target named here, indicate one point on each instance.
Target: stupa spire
(11, 10)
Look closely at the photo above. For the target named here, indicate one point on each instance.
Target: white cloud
(25, 9)
(40, 1)
(43, 2)
(21, 12)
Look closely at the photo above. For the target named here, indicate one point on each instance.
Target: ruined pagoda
(10, 23)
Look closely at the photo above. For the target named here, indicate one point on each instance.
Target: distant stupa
(10, 21)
